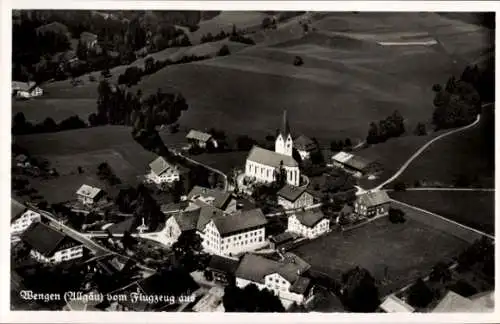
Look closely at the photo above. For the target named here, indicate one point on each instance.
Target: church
(262, 164)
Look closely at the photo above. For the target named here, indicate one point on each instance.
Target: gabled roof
(187, 220)
(453, 303)
(215, 197)
(270, 158)
(310, 217)
(255, 268)
(304, 143)
(240, 221)
(174, 207)
(86, 36)
(207, 213)
(373, 198)
(282, 237)
(225, 264)
(291, 193)
(46, 240)
(198, 135)
(352, 161)
(16, 209)
(23, 86)
(88, 191)
(393, 304)
(160, 165)
(300, 285)
(346, 209)
(55, 27)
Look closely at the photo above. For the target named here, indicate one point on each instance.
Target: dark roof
(187, 220)
(174, 207)
(304, 143)
(282, 238)
(291, 193)
(255, 268)
(240, 221)
(215, 197)
(270, 158)
(224, 264)
(55, 27)
(207, 213)
(301, 285)
(16, 209)
(373, 198)
(310, 217)
(160, 165)
(346, 209)
(199, 136)
(46, 240)
(352, 161)
(285, 128)
(121, 227)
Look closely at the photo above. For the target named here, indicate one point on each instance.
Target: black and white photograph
(251, 161)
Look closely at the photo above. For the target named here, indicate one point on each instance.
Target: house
(309, 223)
(372, 203)
(345, 213)
(455, 303)
(215, 197)
(26, 89)
(291, 197)
(162, 172)
(285, 278)
(21, 219)
(278, 241)
(393, 304)
(236, 233)
(305, 146)
(355, 165)
(48, 245)
(201, 139)
(181, 222)
(89, 195)
(88, 39)
(222, 268)
(263, 165)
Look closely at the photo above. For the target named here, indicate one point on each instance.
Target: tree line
(392, 126)
(235, 36)
(20, 126)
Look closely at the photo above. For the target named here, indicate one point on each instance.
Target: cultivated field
(471, 208)
(408, 250)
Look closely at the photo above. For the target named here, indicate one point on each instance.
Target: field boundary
(439, 222)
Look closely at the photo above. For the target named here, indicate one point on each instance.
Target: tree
(127, 240)
(297, 61)
(250, 299)
(359, 291)
(373, 134)
(280, 175)
(245, 143)
(223, 51)
(266, 23)
(396, 215)
(185, 41)
(234, 31)
(420, 130)
(149, 64)
(419, 294)
(440, 273)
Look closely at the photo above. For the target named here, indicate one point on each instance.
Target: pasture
(475, 209)
(408, 250)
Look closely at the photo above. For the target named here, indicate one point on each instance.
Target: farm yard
(471, 208)
(408, 250)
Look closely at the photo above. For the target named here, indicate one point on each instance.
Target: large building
(48, 245)
(372, 203)
(291, 197)
(236, 233)
(309, 223)
(263, 165)
(285, 278)
(215, 197)
(162, 172)
(355, 165)
(21, 219)
(89, 195)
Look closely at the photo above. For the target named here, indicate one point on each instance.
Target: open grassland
(408, 250)
(471, 208)
(224, 162)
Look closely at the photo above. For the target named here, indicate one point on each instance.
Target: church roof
(285, 128)
(270, 158)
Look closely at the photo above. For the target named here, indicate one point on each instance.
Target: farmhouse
(309, 223)
(162, 172)
(262, 165)
(21, 219)
(278, 241)
(181, 222)
(372, 203)
(201, 139)
(304, 145)
(236, 233)
(26, 89)
(355, 165)
(285, 278)
(88, 195)
(215, 197)
(223, 269)
(291, 197)
(49, 245)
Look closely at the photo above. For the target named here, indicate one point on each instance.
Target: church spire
(285, 128)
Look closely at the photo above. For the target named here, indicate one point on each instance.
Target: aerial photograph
(252, 161)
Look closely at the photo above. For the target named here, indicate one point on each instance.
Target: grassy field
(409, 250)
(224, 162)
(474, 209)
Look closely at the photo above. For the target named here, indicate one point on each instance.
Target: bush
(298, 61)
(419, 294)
(396, 216)
(224, 51)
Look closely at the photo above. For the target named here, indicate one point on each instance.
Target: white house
(304, 145)
(88, 195)
(236, 233)
(372, 203)
(49, 245)
(309, 223)
(26, 89)
(21, 219)
(291, 197)
(162, 172)
(284, 278)
(263, 165)
(201, 139)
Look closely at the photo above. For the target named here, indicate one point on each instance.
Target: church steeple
(284, 142)
(285, 128)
